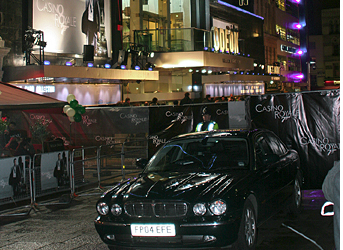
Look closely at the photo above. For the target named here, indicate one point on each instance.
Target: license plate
(152, 230)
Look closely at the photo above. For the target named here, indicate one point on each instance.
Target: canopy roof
(12, 97)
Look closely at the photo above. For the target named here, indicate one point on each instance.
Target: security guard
(207, 124)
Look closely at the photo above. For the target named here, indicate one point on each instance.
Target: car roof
(242, 133)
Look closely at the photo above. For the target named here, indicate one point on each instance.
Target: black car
(202, 190)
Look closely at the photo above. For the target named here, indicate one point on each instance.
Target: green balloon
(77, 117)
(73, 103)
(82, 110)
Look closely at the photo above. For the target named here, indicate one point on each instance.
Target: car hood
(181, 186)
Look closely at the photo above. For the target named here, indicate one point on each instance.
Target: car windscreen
(200, 154)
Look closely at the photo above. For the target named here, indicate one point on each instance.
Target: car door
(285, 168)
(267, 178)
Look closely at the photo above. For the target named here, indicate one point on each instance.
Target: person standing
(186, 99)
(154, 102)
(207, 124)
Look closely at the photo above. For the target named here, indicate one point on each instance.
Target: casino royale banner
(307, 122)
(166, 122)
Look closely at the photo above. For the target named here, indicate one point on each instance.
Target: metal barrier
(51, 174)
(58, 174)
(15, 183)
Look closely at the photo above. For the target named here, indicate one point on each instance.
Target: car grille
(156, 209)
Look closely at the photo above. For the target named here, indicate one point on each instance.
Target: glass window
(276, 145)
(281, 4)
(281, 31)
(196, 155)
(293, 36)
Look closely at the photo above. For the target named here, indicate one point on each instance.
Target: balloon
(70, 112)
(81, 109)
(71, 118)
(77, 117)
(70, 97)
(73, 103)
(65, 108)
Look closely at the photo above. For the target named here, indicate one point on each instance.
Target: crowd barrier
(53, 177)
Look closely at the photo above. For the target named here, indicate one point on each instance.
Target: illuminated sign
(45, 89)
(225, 40)
(288, 49)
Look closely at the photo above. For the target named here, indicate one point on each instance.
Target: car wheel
(247, 236)
(296, 197)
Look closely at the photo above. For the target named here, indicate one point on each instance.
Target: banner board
(307, 122)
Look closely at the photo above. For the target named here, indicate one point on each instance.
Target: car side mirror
(141, 163)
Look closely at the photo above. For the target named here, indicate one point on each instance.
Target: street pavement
(71, 227)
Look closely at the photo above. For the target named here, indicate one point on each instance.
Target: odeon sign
(225, 40)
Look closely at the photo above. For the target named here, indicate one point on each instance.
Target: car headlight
(102, 208)
(116, 210)
(199, 209)
(218, 207)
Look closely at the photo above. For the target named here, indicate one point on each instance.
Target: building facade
(200, 46)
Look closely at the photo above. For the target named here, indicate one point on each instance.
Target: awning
(12, 97)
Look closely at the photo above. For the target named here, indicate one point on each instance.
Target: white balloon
(70, 112)
(65, 108)
(71, 118)
(70, 97)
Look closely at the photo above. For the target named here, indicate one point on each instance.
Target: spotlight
(46, 63)
(69, 63)
(122, 66)
(107, 66)
(137, 67)
(152, 54)
(212, 49)
(90, 65)
(206, 48)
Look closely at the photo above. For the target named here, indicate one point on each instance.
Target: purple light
(137, 67)
(150, 69)
(300, 52)
(212, 49)
(107, 66)
(299, 76)
(122, 66)
(46, 63)
(297, 1)
(69, 63)
(296, 26)
(90, 65)
(206, 48)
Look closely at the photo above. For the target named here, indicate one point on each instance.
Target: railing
(173, 40)
(59, 174)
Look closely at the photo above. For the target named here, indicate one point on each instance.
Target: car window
(262, 149)
(276, 145)
(199, 155)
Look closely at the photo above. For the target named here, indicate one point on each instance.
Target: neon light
(69, 63)
(239, 9)
(46, 63)
(90, 65)
(107, 66)
(137, 67)
(122, 66)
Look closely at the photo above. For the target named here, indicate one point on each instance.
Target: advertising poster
(11, 177)
(68, 25)
(54, 170)
(306, 122)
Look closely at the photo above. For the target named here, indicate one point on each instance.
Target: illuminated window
(281, 4)
(293, 36)
(281, 31)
